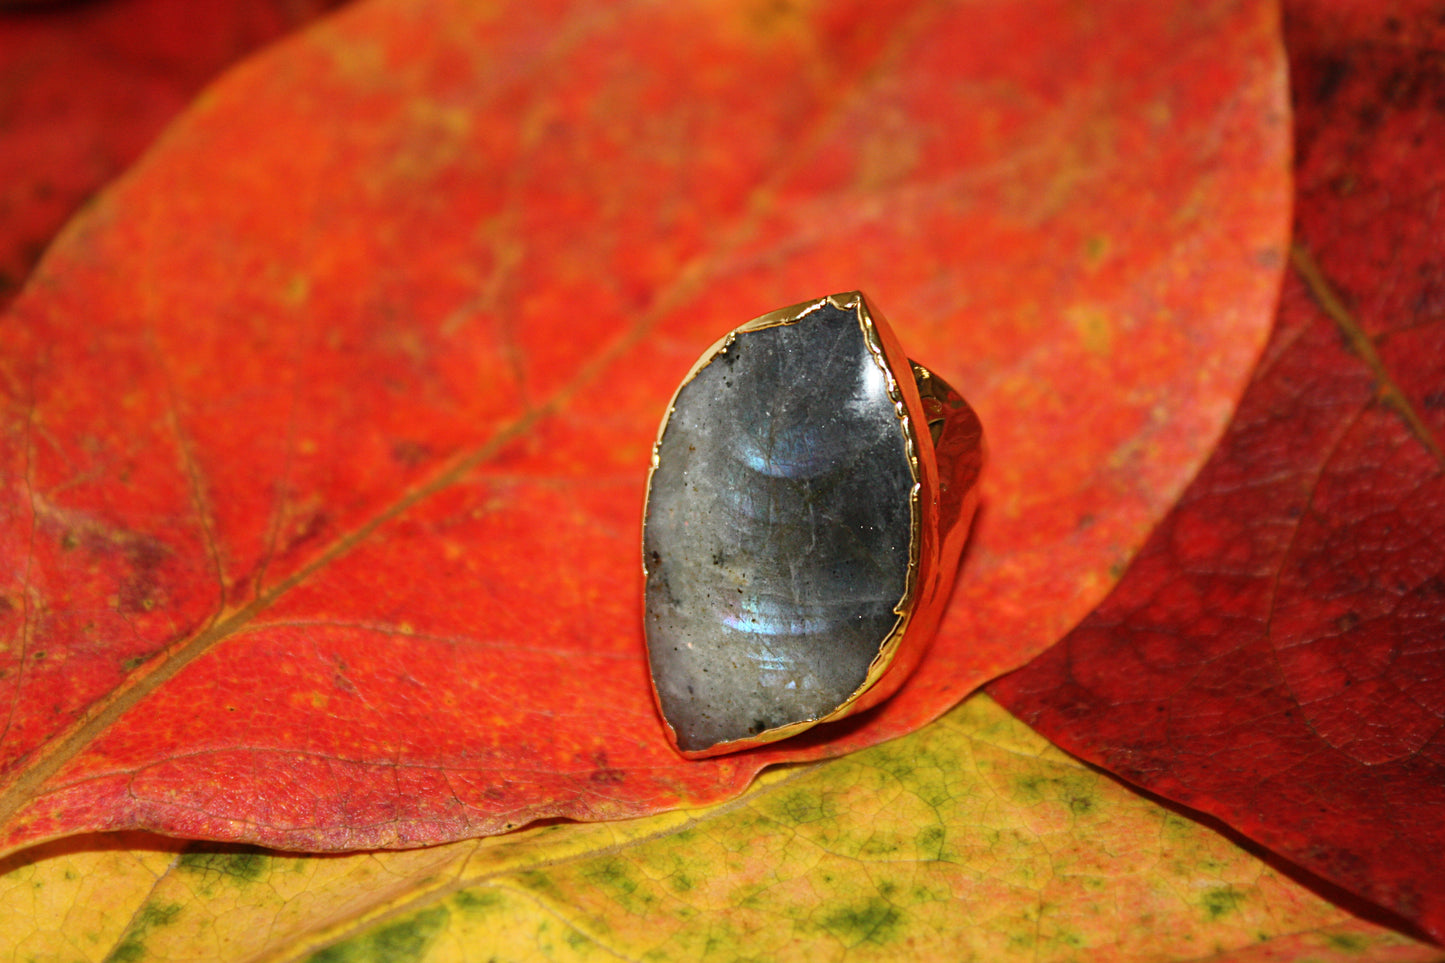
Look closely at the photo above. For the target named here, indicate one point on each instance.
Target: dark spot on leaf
(1369, 116)
(1401, 87)
(1333, 73)
(538, 882)
(142, 556)
(239, 863)
(872, 922)
(478, 900)
(406, 940)
(613, 875)
(1345, 184)
(1269, 257)
(314, 525)
(1348, 942)
(151, 916)
(129, 951)
(803, 805)
(1221, 901)
(410, 453)
(930, 842)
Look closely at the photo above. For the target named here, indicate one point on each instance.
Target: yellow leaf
(970, 839)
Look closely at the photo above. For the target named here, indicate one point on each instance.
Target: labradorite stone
(777, 533)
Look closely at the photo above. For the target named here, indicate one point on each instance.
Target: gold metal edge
(918, 449)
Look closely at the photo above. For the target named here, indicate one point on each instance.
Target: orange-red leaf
(85, 87)
(326, 430)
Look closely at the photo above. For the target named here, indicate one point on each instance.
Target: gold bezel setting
(933, 419)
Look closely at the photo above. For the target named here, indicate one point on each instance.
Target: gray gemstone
(777, 537)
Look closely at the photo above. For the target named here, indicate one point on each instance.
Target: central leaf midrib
(1363, 346)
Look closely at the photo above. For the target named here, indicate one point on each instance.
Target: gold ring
(810, 493)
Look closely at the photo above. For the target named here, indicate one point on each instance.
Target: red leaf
(327, 429)
(85, 87)
(1276, 655)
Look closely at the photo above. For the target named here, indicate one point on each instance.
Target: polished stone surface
(777, 531)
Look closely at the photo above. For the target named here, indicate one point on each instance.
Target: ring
(810, 493)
